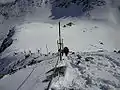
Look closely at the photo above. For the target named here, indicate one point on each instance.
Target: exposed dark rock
(73, 52)
(32, 62)
(101, 43)
(85, 5)
(78, 56)
(96, 27)
(115, 51)
(39, 61)
(53, 89)
(100, 50)
(8, 40)
(89, 58)
(18, 8)
(78, 63)
(1, 76)
(83, 30)
(64, 26)
(46, 80)
(70, 24)
(24, 66)
(104, 87)
(118, 51)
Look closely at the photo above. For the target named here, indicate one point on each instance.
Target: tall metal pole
(59, 47)
(60, 43)
(47, 49)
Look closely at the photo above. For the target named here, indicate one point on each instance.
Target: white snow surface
(37, 30)
(83, 35)
(102, 72)
(34, 82)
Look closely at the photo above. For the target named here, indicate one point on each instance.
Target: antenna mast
(60, 43)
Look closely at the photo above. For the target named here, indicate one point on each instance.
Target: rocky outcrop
(19, 8)
(8, 40)
(85, 5)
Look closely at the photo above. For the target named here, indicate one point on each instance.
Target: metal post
(47, 49)
(60, 43)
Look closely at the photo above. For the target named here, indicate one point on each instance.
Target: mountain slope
(84, 70)
(36, 23)
(20, 8)
(94, 71)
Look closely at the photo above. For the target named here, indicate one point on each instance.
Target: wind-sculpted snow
(22, 66)
(78, 71)
(16, 61)
(100, 72)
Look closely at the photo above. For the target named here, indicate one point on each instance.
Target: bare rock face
(8, 40)
(74, 8)
(66, 8)
(119, 51)
(88, 4)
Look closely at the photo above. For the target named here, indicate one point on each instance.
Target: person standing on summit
(64, 50)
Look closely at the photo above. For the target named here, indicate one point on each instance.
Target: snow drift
(84, 70)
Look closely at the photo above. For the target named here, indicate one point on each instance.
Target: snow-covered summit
(83, 27)
(93, 71)
(83, 70)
